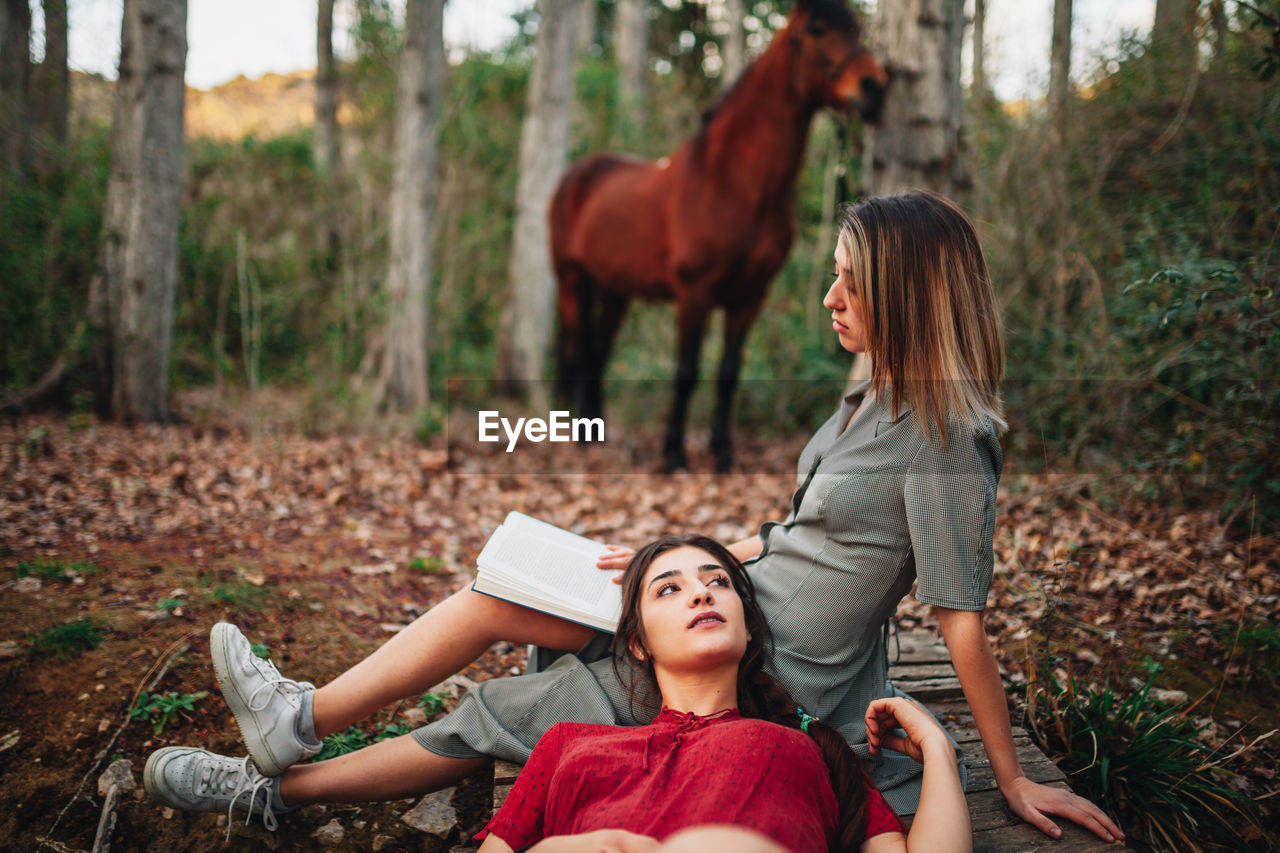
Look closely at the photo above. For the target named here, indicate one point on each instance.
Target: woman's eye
(666, 589)
(721, 580)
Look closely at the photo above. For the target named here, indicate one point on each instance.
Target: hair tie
(805, 719)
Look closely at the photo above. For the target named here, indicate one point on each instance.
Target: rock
(414, 717)
(331, 834)
(167, 813)
(9, 649)
(27, 585)
(314, 812)
(433, 814)
(382, 842)
(119, 773)
(1169, 697)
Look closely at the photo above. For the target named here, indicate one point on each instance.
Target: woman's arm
(975, 664)
(619, 556)
(941, 824)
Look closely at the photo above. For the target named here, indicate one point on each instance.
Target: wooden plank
(996, 829)
(917, 671)
(504, 776)
(930, 690)
(1035, 765)
(919, 645)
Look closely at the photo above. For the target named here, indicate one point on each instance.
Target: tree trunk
(1173, 34)
(1059, 91)
(735, 42)
(326, 132)
(1060, 68)
(529, 315)
(980, 87)
(585, 29)
(132, 300)
(404, 369)
(633, 55)
(15, 84)
(920, 141)
(51, 87)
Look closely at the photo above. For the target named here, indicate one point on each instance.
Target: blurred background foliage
(1143, 327)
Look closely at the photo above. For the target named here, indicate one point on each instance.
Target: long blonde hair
(932, 324)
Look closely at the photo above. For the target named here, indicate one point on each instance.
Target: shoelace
(272, 681)
(234, 781)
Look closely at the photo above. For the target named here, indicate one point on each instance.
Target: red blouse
(681, 770)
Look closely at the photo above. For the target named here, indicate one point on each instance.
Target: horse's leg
(569, 358)
(586, 387)
(691, 319)
(613, 307)
(736, 325)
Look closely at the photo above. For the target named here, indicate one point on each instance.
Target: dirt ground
(320, 548)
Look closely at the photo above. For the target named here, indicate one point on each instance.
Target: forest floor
(140, 538)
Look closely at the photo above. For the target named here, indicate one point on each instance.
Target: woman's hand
(618, 558)
(1034, 803)
(600, 841)
(923, 732)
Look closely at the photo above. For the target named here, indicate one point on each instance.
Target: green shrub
(54, 571)
(162, 709)
(1255, 646)
(340, 743)
(1141, 762)
(260, 650)
(62, 641)
(427, 565)
(433, 703)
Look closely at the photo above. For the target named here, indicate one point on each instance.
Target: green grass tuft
(63, 641)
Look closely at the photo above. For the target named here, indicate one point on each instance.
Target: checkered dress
(880, 506)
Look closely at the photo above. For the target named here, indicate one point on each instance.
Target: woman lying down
(730, 762)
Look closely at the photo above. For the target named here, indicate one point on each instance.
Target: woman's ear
(636, 648)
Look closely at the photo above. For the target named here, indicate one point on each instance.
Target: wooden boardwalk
(922, 667)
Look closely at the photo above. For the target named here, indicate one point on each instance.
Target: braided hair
(760, 695)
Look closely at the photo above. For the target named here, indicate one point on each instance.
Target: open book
(539, 565)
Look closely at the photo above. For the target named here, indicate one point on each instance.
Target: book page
(562, 563)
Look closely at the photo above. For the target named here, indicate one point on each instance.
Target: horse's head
(832, 65)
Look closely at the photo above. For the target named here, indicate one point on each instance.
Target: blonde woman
(896, 489)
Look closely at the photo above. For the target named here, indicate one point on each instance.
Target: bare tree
(131, 301)
(735, 42)
(585, 29)
(529, 313)
(920, 140)
(980, 87)
(632, 40)
(1173, 33)
(1060, 68)
(326, 133)
(404, 369)
(51, 86)
(15, 83)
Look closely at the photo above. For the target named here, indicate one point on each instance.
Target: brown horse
(709, 225)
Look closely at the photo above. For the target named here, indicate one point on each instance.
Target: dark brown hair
(760, 695)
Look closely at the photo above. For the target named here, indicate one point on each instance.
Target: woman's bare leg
(434, 646)
(387, 770)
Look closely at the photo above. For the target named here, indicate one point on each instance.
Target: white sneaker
(201, 781)
(265, 703)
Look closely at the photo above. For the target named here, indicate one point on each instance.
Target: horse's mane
(831, 12)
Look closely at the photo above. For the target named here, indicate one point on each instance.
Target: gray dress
(879, 506)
